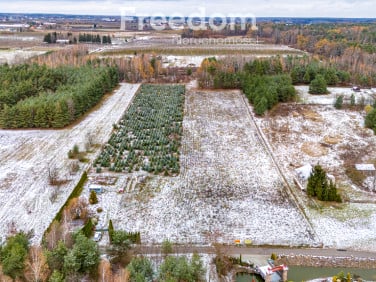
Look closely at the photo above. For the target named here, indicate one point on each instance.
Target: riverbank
(327, 261)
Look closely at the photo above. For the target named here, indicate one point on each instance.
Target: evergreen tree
(88, 228)
(13, 255)
(261, 106)
(318, 85)
(110, 230)
(47, 38)
(55, 257)
(307, 77)
(93, 199)
(319, 186)
(339, 102)
(331, 77)
(140, 269)
(352, 100)
(371, 120)
(83, 257)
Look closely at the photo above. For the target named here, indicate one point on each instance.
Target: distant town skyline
(261, 8)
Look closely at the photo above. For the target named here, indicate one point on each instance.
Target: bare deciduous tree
(53, 175)
(74, 167)
(105, 271)
(36, 265)
(122, 275)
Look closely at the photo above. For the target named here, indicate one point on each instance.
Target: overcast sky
(260, 8)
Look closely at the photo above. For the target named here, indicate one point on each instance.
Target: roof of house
(365, 167)
(304, 172)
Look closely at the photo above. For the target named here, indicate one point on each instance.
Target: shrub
(166, 247)
(339, 102)
(93, 199)
(318, 85)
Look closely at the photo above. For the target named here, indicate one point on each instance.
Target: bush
(339, 102)
(93, 199)
(13, 255)
(88, 228)
(166, 247)
(318, 85)
(180, 269)
(371, 120)
(140, 269)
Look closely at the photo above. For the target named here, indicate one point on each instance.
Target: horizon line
(113, 15)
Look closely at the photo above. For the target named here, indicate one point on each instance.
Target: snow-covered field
(17, 55)
(182, 61)
(26, 198)
(310, 134)
(367, 95)
(228, 187)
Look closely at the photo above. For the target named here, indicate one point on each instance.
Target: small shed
(62, 41)
(96, 188)
(368, 169)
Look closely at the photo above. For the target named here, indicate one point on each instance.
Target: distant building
(62, 41)
(15, 27)
(96, 188)
(368, 169)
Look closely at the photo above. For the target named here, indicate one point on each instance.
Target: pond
(240, 277)
(300, 273)
(304, 273)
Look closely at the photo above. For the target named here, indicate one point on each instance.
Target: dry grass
(333, 140)
(312, 115)
(314, 149)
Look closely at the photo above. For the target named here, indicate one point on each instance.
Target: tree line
(33, 96)
(269, 81)
(351, 47)
(52, 37)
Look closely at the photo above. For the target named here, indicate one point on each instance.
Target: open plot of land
(14, 56)
(26, 198)
(336, 139)
(365, 96)
(228, 187)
